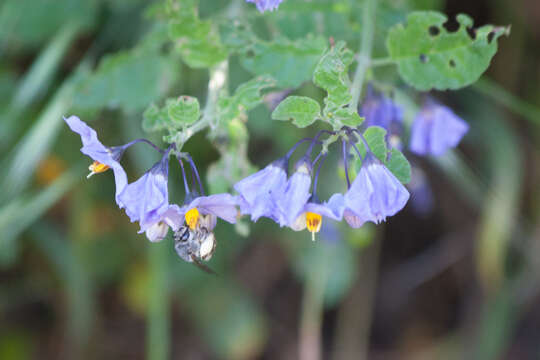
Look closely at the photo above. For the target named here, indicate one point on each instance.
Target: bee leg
(202, 266)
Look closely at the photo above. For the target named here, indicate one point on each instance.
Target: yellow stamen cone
(97, 168)
(192, 218)
(313, 223)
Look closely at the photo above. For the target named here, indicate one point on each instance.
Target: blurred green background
(460, 281)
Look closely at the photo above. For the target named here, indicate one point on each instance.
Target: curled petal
(93, 148)
(332, 209)
(220, 205)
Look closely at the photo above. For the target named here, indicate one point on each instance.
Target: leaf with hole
(429, 56)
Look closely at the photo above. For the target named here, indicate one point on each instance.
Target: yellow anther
(313, 223)
(192, 218)
(97, 168)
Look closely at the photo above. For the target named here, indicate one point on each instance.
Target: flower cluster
(292, 200)
(146, 200)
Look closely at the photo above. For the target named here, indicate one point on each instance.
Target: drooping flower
(146, 200)
(266, 5)
(374, 194)
(380, 110)
(290, 200)
(313, 211)
(104, 157)
(436, 129)
(255, 191)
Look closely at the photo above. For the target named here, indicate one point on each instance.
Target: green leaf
(375, 138)
(290, 63)
(154, 118)
(331, 75)
(301, 110)
(127, 80)
(346, 116)
(183, 111)
(428, 56)
(246, 97)
(399, 166)
(197, 41)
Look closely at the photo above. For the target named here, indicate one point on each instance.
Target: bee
(195, 245)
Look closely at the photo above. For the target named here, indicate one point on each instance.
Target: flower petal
(93, 148)
(220, 205)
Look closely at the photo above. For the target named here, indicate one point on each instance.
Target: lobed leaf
(246, 97)
(375, 138)
(301, 110)
(196, 40)
(183, 111)
(429, 56)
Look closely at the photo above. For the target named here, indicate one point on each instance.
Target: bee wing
(202, 266)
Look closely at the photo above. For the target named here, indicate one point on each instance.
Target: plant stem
(218, 80)
(496, 92)
(381, 62)
(364, 56)
(311, 318)
(158, 339)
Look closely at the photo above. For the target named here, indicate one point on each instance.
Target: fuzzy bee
(194, 245)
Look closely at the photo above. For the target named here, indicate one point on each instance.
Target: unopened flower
(255, 191)
(104, 157)
(374, 194)
(266, 5)
(436, 129)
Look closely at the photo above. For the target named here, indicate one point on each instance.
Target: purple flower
(255, 191)
(374, 194)
(147, 197)
(436, 129)
(380, 110)
(104, 157)
(264, 5)
(290, 200)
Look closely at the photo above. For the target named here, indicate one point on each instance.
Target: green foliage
(331, 74)
(394, 159)
(24, 21)
(155, 119)
(183, 111)
(196, 40)
(301, 110)
(246, 97)
(375, 138)
(399, 166)
(290, 62)
(429, 56)
(127, 80)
